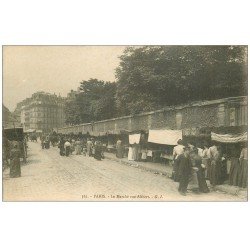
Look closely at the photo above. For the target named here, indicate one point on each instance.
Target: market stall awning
(135, 138)
(30, 130)
(229, 138)
(166, 137)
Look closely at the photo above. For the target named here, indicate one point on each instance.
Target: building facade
(9, 120)
(43, 111)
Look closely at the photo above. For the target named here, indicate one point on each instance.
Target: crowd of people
(69, 145)
(194, 165)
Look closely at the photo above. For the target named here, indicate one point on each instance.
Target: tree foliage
(151, 77)
(96, 101)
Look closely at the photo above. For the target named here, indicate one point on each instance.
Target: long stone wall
(190, 118)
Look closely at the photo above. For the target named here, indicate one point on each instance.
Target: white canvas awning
(229, 138)
(30, 130)
(167, 137)
(135, 138)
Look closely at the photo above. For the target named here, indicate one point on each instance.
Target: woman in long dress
(78, 147)
(130, 153)
(61, 147)
(243, 175)
(15, 168)
(98, 155)
(134, 152)
(234, 168)
(216, 165)
(198, 172)
(89, 146)
(67, 147)
(119, 149)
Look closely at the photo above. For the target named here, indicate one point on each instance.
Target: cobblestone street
(49, 177)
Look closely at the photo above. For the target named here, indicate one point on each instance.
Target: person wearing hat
(15, 154)
(184, 170)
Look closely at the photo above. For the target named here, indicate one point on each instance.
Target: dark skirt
(119, 152)
(47, 144)
(234, 172)
(15, 168)
(62, 151)
(183, 183)
(243, 175)
(202, 181)
(67, 150)
(175, 173)
(215, 172)
(98, 155)
(207, 163)
(89, 151)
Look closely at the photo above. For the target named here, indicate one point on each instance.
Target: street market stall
(161, 144)
(231, 145)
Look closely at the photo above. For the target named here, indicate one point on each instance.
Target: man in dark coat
(61, 146)
(184, 170)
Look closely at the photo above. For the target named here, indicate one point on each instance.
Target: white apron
(130, 154)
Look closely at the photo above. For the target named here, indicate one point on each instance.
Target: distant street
(50, 177)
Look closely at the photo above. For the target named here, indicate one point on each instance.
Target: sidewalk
(166, 170)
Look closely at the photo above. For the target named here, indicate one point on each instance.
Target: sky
(54, 69)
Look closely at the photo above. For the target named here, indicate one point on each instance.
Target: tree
(151, 77)
(96, 101)
(72, 113)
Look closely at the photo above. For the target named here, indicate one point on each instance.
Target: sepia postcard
(125, 123)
